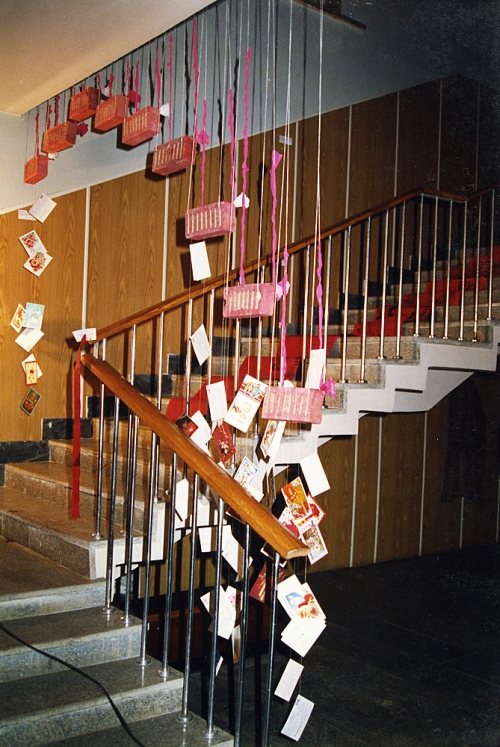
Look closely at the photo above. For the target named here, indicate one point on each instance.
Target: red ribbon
(232, 146)
(75, 485)
(244, 169)
(196, 76)
(136, 85)
(158, 77)
(37, 146)
(110, 86)
(170, 43)
(56, 111)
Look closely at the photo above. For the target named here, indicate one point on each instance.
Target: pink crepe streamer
(203, 152)
(196, 75)
(48, 113)
(275, 159)
(319, 291)
(282, 289)
(56, 110)
(128, 74)
(244, 169)
(233, 144)
(82, 129)
(328, 387)
(136, 85)
(283, 315)
(169, 64)
(157, 77)
(37, 140)
(110, 86)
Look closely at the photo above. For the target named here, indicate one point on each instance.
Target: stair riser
(52, 601)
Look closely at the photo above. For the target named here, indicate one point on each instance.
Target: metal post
(306, 316)
(243, 631)
(215, 622)
(478, 257)
(164, 672)
(490, 274)
(397, 354)
(448, 277)
(108, 609)
(419, 266)
(362, 372)
(464, 265)
(381, 353)
(100, 455)
(187, 380)
(434, 270)
(129, 551)
(347, 262)
(327, 297)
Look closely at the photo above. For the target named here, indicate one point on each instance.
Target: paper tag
(201, 345)
(42, 208)
(289, 679)
(241, 200)
(298, 718)
(284, 140)
(165, 110)
(315, 475)
(315, 370)
(90, 333)
(29, 338)
(217, 401)
(24, 215)
(199, 260)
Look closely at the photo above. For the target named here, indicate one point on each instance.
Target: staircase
(429, 355)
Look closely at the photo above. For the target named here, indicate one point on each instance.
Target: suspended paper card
(249, 300)
(298, 718)
(30, 401)
(17, 320)
(207, 221)
(199, 260)
(300, 635)
(246, 403)
(90, 333)
(30, 360)
(315, 475)
(84, 104)
(217, 401)
(111, 113)
(298, 600)
(59, 137)
(317, 359)
(33, 316)
(32, 243)
(201, 344)
(141, 126)
(24, 215)
(37, 263)
(289, 679)
(297, 405)
(36, 169)
(42, 208)
(246, 472)
(175, 155)
(272, 438)
(29, 338)
(222, 443)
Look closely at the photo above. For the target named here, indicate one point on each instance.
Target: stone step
(48, 601)
(62, 705)
(161, 731)
(81, 637)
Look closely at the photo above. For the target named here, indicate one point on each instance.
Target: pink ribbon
(233, 144)
(275, 159)
(56, 110)
(110, 86)
(196, 75)
(319, 291)
(169, 65)
(203, 152)
(37, 146)
(136, 85)
(158, 77)
(244, 169)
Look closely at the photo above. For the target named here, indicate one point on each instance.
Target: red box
(295, 404)
(84, 104)
(36, 169)
(59, 137)
(174, 155)
(141, 126)
(111, 113)
(249, 300)
(207, 221)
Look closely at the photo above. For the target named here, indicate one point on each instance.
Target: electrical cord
(78, 671)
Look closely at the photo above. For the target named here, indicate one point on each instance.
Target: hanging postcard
(256, 299)
(207, 221)
(33, 316)
(246, 403)
(42, 208)
(37, 263)
(30, 401)
(17, 320)
(32, 243)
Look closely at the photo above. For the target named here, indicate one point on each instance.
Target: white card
(31, 359)
(298, 718)
(201, 345)
(17, 320)
(199, 261)
(29, 338)
(289, 679)
(202, 434)
(234, 554)
(241, 200)
(89, 332)
(42, 208)
(246, 472)
(165, 110)
(272, 438)
(227, 611)
(24, 215)
(208, 537)
(286, 140)
(315, 371)
(217, 400)
(182, 499)
(32, 243)
(300, 635)
(246, 403)
(315, 475)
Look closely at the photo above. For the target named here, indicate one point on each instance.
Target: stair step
(38, 710)
(162, 731)
(48, 601)
(81, 637)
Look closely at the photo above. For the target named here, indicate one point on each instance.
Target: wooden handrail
(247, 508)
(218, 282)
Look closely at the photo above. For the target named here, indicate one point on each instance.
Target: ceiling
(47, 46)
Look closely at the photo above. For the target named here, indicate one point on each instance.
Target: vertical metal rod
(243, 630)
(159, 390)
(215, 622)
(327, 296)
(434, 270)
(362, 371)
(237, 345)
(419, 266)
(478, 257)
(306, 307)
(164, 672)
(272, 633)
(187, 380)
(129, 550)
(397, 354)
(112, 503)
(446, 330)
(381, 353)
(490, 274)
(464, 266)
(130, 377)
(345, 329)
(211, 300)
(100, 455)
(184, 716)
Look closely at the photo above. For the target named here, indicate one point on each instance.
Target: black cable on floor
(78, 671)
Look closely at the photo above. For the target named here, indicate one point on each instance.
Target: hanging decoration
(84, 104)
(112, 112)
(296, 404)
(59, 136)
(144, 123)
(37, 167)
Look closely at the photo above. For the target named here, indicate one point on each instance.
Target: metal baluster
(130, 378)
(272, 634)
(165, 672)
(490, 274)
(464, 263)
(434, 270)
(478, 257)
(187, 380)
(346, 268)
(397, 354)
(327, 297)
(381, 352)
(237, 345)
(243, 632)
(362, 372)
(306, 315)
(108, 609)
(419, 266)
(184, 716)
(211, 300)
(215, 622)
(129, 550)
(448, 277)
(100, 455)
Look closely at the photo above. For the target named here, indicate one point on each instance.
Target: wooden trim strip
(247, 508)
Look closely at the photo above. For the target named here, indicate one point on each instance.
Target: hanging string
(56, 110)
(37, 141)
(157, 77)
(170, 80)
(244, 169)
(264, 129)
(196, 76)
(203, 152)
(275, 160)
(227, 57)
(317, 228)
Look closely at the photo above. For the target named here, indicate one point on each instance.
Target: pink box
(174, 155)
(249, 300)
(36, 169)
(141, 126)
(207, 221)
(295, 404)
(84, 104)
(59, 137)
(111, 113)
